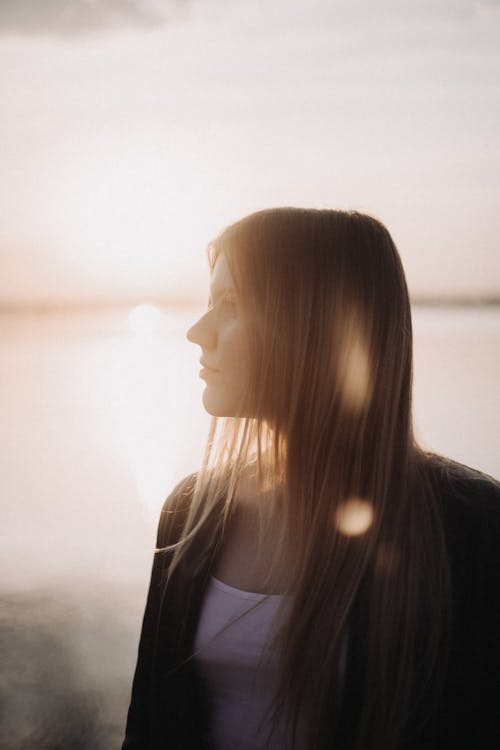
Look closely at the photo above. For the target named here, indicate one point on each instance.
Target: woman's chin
(219, 405)
(213, 405)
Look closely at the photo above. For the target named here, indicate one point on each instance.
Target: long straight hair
(328, 421)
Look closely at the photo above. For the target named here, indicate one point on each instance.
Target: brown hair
(328, 313)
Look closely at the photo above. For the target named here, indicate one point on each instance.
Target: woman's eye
(225, 304)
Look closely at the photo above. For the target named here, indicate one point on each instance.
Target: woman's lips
(206, 366)
(206, 370)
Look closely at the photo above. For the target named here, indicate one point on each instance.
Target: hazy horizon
(41, 307)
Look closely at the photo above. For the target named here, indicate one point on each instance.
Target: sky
(133, 131)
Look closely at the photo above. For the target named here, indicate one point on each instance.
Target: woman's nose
(202, 333)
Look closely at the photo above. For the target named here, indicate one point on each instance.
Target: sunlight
(139, 404)
(145, 319)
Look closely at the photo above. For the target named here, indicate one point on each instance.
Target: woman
(321, 582)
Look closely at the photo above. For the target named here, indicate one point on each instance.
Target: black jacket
(169, 709)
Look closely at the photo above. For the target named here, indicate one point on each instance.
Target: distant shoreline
(179, 305)
(455, 302)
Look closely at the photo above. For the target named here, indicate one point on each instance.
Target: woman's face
(223, 339)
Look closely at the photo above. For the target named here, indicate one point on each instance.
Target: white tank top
(232, 651)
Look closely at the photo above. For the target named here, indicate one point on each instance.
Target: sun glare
(145, 319)
(136, 396)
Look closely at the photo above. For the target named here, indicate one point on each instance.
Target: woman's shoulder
(199, 497)
(470, 504)
(175, 511)
(464, 485)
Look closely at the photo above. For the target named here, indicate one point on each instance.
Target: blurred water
(98, 423)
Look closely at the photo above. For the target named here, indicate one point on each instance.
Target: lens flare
(354, 516)
(355, 374)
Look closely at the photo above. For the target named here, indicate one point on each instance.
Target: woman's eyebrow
(216, 292)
